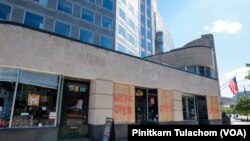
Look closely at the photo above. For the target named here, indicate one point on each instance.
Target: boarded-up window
(214, 109)
(123, 103)
(165, 106)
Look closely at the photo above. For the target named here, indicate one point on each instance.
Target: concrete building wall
(35, 50)
(191, 56)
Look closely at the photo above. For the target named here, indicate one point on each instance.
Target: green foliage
(227, 110)
(243, 105)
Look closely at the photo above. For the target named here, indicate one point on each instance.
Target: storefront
(28, 98)
(62, 89)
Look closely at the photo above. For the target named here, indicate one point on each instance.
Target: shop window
(35, 103)
(34, 20)
(5, 11)
(188, 103)
(7, 89)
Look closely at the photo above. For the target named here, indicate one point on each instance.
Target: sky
(227, 20)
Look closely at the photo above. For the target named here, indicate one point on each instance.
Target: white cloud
(223, 26)
(240, 73)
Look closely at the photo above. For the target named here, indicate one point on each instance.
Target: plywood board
(165, 105)
(124, 103)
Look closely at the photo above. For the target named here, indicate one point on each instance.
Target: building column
(177, 100)
(100, 101)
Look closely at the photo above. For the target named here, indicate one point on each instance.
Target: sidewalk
(241, 120)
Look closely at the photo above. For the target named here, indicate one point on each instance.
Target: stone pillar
(100, 101)
(177, 100)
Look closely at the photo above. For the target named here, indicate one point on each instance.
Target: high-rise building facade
(146, 27)
(163, 39)
(127, 26)
(90, 21)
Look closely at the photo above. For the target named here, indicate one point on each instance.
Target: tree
(227, 110)
(243, 105)
(248, 76)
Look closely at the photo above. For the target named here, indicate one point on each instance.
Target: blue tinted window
(92, 1)
(131, 8)
(143, 31)
(122, 14)
(143, 43)
(201, 70)
(142, 8)
(191, 69)
(62, 29)
(87, 15)
(143, 19)
(107, 23)
(121, 48)
(64, 6)
(33, 20)
(42, 2)
(149, 53)
(86, 36)
(131, 39)
(107, 4)
(149, 46)
(122, 31)
(5, 11)
(143, 54)
(131, 24)
(148, 3)
(124, 1)
(106, 42)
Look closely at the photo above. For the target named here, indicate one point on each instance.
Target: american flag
(233, 86)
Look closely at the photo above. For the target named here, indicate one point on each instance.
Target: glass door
(152, 106)
(140, 106)
(74, 109)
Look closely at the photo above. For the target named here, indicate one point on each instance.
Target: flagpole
(224, 84)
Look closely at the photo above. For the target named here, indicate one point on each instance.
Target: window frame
(70, 28)
(107, 19)
(106, 37)
(108, 8)
(88, 31)
(11, 10)
(35, 13)
(85, 19)
(40, 3)
(57, 3)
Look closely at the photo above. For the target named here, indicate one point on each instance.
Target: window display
(8, 77)
(33, 106)
(6, 98)
(188, 103)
